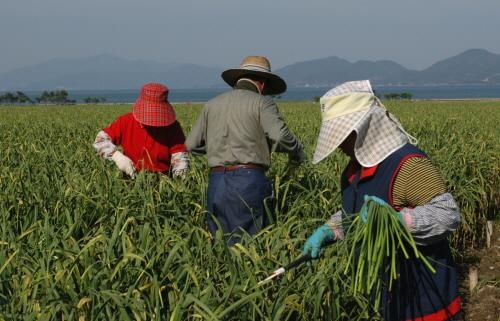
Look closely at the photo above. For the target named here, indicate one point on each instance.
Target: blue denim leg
(215, 184)
(236, 199)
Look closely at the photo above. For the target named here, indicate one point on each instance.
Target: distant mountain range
(474, 66)
(107, 72)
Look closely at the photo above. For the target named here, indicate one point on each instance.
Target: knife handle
(299, 261)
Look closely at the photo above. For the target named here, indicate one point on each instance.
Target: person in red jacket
(150, 136)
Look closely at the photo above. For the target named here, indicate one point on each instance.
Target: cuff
(407, 219)
(338, 232)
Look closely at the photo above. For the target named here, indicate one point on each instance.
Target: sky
(414, 33)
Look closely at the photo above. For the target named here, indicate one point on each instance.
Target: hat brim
(333, 132)
(274, 85)
(155, 115)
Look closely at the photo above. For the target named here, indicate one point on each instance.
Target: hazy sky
(414, 33)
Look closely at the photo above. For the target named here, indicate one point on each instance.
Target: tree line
(396, 96)
(60, 97)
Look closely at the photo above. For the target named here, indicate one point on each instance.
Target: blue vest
(418, 293)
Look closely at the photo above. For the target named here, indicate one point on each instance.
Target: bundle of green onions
(375, 245)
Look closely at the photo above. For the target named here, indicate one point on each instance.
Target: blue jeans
(236, 199)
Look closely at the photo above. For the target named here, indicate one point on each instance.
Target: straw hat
(152, 107)
(257, 66)
(353, 106)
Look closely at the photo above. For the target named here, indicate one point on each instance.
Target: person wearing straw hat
(150, 136)
(238, 130)
(386, 167)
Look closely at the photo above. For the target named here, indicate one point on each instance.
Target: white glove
(179, 162)
(180, 173)
(124, 163)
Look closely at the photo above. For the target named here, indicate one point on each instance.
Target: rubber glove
(124, 163)
(294, 161)
(297, 158)
(321, 235)
(364, 209)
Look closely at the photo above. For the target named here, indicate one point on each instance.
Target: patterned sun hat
(353, 106)
(152, 107)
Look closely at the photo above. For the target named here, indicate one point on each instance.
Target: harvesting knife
(282, 270)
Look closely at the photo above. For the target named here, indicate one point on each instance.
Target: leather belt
(230, 168)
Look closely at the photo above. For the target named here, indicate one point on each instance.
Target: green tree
(55, 97)
(93, 100)
(10, 98)
(406, 95)
(392, 96)
(22, 98)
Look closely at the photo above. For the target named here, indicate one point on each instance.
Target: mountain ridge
(473, 66)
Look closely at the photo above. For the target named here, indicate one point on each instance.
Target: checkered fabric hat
(352, 106)
(152, 107)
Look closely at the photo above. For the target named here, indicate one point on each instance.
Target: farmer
(238, 130)
(387, 168)
(150, 136)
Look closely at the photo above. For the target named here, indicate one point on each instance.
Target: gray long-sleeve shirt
(240, 127)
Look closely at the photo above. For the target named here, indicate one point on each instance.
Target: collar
(365, 172)
(246, 84)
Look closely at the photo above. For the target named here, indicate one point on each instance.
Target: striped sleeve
(433, 221)
(419, 192)
(417, 182)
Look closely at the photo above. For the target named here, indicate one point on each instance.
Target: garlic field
(78, 241)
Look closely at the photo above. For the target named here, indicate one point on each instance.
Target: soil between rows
(483, 303)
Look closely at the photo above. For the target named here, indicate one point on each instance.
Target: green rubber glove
(321, 235)
(364, 209)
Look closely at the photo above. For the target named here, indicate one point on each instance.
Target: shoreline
(278, 101)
